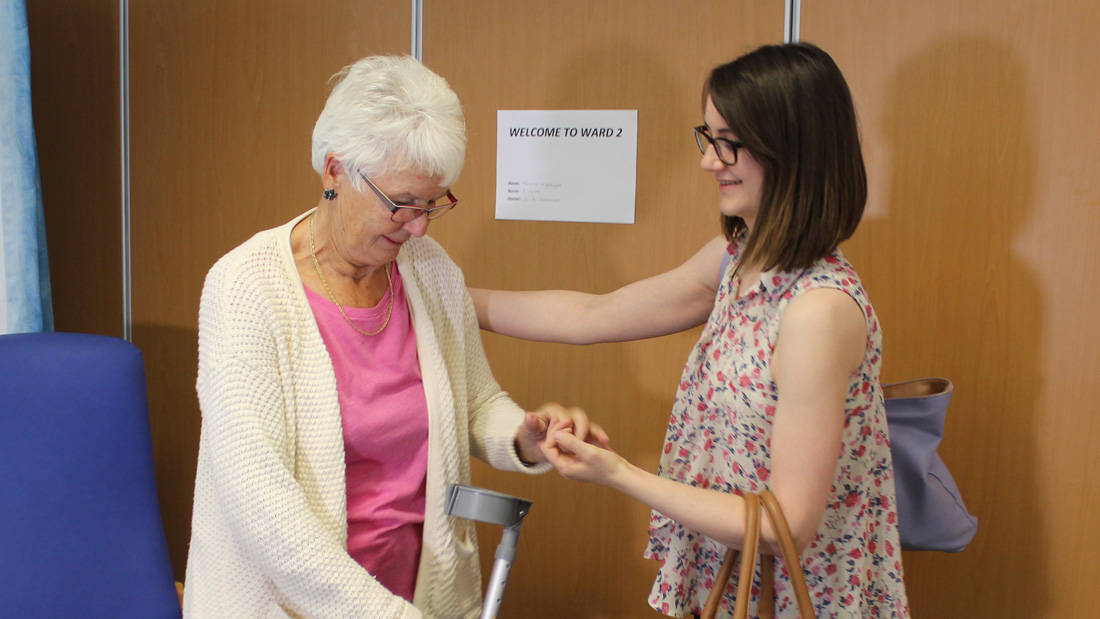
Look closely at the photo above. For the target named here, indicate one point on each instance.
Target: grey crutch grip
(494, 508)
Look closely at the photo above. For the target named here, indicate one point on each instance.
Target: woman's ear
(330, 174)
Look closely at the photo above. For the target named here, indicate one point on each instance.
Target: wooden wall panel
(74, 88)
(224, 100)
(580, 552)
(979, 252)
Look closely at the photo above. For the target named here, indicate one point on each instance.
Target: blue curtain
(25, 296)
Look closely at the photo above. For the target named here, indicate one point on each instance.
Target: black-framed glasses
(403, 213)
(725, 149)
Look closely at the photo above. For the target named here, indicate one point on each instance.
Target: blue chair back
(80, 527)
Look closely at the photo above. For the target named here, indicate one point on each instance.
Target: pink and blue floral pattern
(719, 437)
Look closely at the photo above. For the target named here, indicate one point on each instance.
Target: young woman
(781, 391)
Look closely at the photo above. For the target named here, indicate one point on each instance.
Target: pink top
(385, 419)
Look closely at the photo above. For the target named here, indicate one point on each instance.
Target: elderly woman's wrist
(529, 457)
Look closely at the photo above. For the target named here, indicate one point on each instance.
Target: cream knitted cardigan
(269, 529)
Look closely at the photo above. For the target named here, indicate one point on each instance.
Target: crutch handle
(495, 508)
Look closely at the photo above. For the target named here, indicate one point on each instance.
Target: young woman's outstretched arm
(667, 303)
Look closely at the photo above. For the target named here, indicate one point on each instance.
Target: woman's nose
(710, 161)
(419, 226)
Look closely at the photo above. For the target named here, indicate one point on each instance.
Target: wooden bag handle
(766, 607)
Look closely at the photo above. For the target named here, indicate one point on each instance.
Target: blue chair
(80, 527)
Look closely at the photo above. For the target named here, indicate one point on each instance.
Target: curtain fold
(25, 303)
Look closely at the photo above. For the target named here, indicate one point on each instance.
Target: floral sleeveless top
(719, 437)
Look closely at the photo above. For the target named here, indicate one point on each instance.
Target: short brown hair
(790, 106)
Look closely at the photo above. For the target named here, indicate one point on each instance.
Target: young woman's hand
(536, 426)
(580, 460)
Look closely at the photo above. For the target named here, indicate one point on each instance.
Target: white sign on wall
(567, 165)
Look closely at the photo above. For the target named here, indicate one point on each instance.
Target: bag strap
(766, 605)
(744, 584)
(790, 555)
(749, 551)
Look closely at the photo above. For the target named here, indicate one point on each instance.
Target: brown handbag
(766, 606)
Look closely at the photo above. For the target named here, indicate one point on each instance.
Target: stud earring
(330, 194)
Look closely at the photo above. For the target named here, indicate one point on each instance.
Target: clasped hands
(567, 439)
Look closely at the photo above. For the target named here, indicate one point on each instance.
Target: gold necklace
(317, 265)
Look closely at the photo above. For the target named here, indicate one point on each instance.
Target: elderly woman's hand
(532, 434)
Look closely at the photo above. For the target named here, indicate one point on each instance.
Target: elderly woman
(343, 384)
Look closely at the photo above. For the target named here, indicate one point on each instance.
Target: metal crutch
(484, 505)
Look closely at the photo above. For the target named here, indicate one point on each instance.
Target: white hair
(391, 114)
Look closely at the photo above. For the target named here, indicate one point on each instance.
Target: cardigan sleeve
(494, 418)
(249, 440)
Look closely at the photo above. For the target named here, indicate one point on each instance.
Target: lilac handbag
(931, 513)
